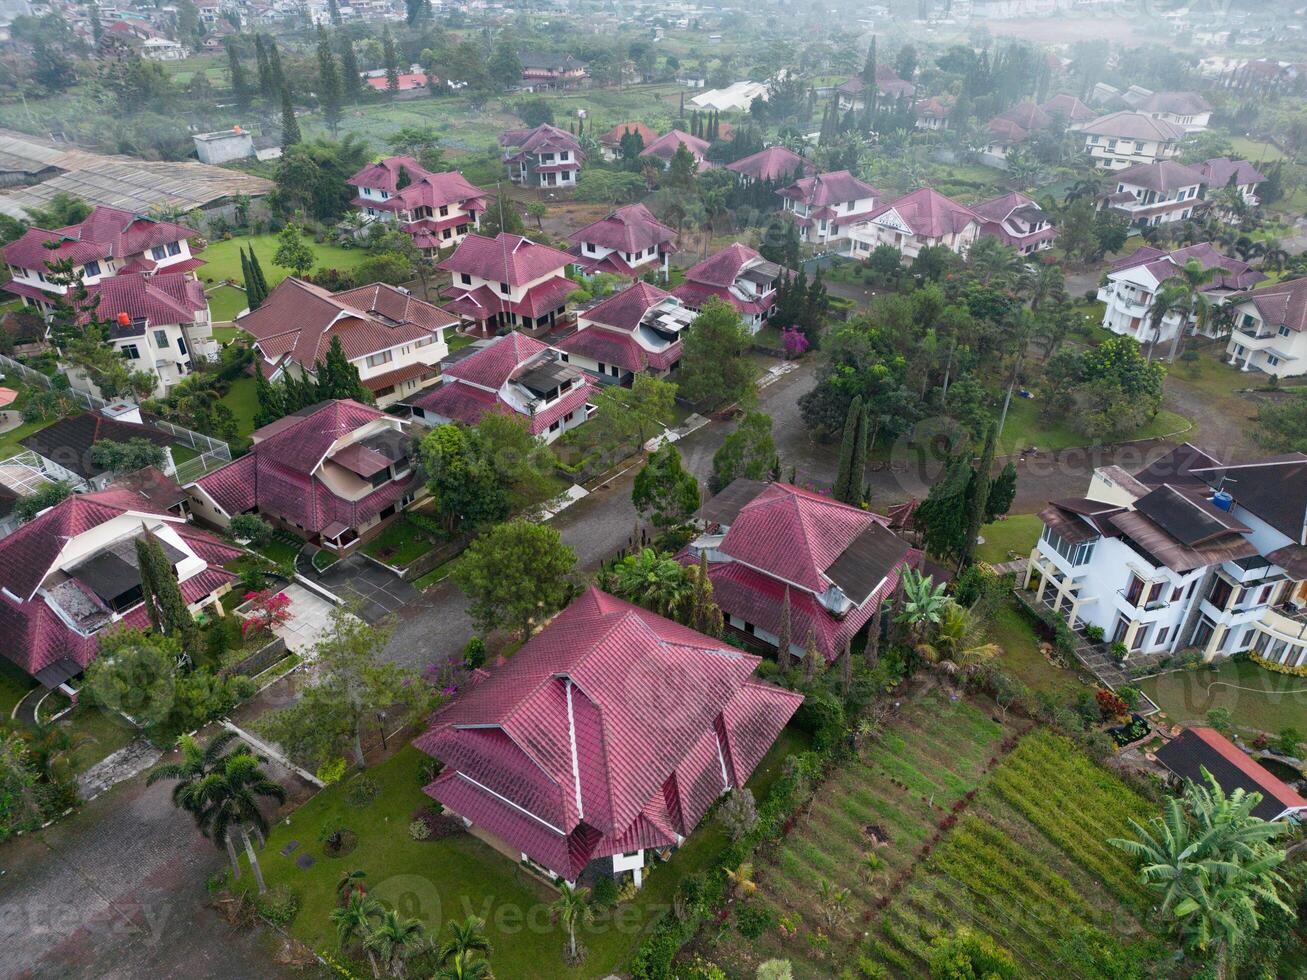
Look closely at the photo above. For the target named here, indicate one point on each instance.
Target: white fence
(37, 378)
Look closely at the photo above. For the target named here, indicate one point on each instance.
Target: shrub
(739, 814)
(604, 893)
(1094, 634)
(419, 830)
(279, 905)
(970, 955)
(1110, 704)
(752, 921)
(1221, 720)
(331, 771)
(251, 528)
(1119, 650)
(474, 653)
(1130, 695)
(1289, 742)
(362, 791)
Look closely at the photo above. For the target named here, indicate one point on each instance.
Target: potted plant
(1119, 652)
(1094, 634)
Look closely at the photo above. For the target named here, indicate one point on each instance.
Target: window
(158, 252)
(1265, 596)
(505, 288)
(181, 343)
(161, 339)
(1220, 593)
(383, 358)
(1162, 634)
(444, 210)
(1175, 593)
(553, 426)
(1272, 360)
(1283, 331)
(92, 268)
(465, 279)
(447, 234)
(131, 352)
(174, 248)
(1135, 590)
(1076, 554)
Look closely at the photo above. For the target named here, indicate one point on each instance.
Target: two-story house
(1132, 284)
(507, 281)
(545, 156)
(635, 331)
(738, 275)
(1017, 220)
(772, 164)
(512, 374)
(71, 573)
(628, 242)
(394, 339)
(1270, 329)
(1187, 110)
(1121, 139)
(109, 242)
(609, 735)
(664, 148)
(437, 209)
(333, 473)
(63, 449)
(1222, 172)
(826, 206)
(1155, 193)
(543, 70)
(611, 142)
(1069, 111)
(933, 113)
(852, 94)
(1185, 553)
(914, 221)
(837, 563)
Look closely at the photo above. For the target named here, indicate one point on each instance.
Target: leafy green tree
(127, 457)
(970, 955)
(664, 492)
(164, 603)
(850, 476)
(656, 582)
(330, 89)
(293, 252)
(20, 808)
(47, 496)
(504, 68)
(515, 575)
(626, 416)
(921, 606)
(135, 673)
(748, 452)
(290, 127)
(714, 367)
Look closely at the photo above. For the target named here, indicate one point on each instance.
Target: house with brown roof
(629, 241)
(914, 221)
(739, 276)
(837, 563)
(1132, 283)
(1069, 111)
(1017, 220)
(772, 164)
(635, 331)
(63, 448)
(394, 339)
(1155, 193)
(1187, 110)
(1221, 172)
(664, 148)
(852, 94)
(507, 281)
(543, 70)
(436, 209)
(108, 242)
(933, 113)
(1122, 139)
(1270, 329)
(611, 142)
(333, 473)
(608, 736)
(545, 156)
(1185, 553)
(510, 374)
(826, 206)
(71, 573)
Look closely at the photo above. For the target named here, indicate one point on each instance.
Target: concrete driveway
(377, 592)
(309, 616)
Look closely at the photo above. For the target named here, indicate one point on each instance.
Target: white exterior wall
(636, 260)
(1115, 153)
(427, 353)
(1145, 212)
(889, 229)
(169, 351)
(107, 268)
(1253, 345)
(823, 231)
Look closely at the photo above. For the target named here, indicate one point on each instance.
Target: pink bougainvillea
(795, 341)
(268, 610)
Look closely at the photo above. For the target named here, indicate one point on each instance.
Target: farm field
(1040, 881)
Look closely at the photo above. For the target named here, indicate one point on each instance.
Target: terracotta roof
(610, 726)
(1133, 125)
(68, 441)
(998, 208)
(492, 366)
(1006, 131)
(383, 175)
(722, 268)
(505, 258)
(1028, 116)
(302, 444)
(936, 107)
(460, 402)
(1176, 103)
(105, 233)
(1218, 171)
(608, 347)
(166, 298)
(614, 136)
(1162, 176)
(1281, 305)
(1069, 109)
(542, 139)
(772, 163)
(822, 190)
(664, 147)
(1232, 768)
(632, 228)
(929, 214)
(625, 309)
(1232, 274)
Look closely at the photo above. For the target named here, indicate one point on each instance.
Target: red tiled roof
(772, 163)
(929, 214)
(302, 445)
(549, 414)
(664, 147)
(165, 298)
(383, 175)
(495, 363)
(1163, 175)
(505, 258)
(406, 82)
(1284, 304)
(1134, 125)
(614, 136)
(105, 233)
(460, 402)
(378, 381)
(821, 190)
(694, 295)
(542, 139)
(1218, 171)
(607, 347)
(35, 637)
(632, 228)
(396, 305)
(1006, 131)
(1070, 109)
(721, 268)
(1231, 273)
(1028, 116)
(627, 308)
(608, 730)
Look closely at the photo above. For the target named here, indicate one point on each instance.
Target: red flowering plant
(796, 343)
(267, 611)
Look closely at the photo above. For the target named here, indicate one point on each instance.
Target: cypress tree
(942, 516)
(266, 88)
(705, 616)
(165, 605)
(810, 658)
(274, 67)
(848, 482)
(330, 91)
(1001, 493)
(351, 78)
(240, 83)
(846, 667)
(290, 127)
(256, 270)
(979, 497)
(333, 11)
(245, 278)
(272, 401)
(784, 639)
(391, 62)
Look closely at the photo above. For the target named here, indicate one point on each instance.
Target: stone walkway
(127, 762)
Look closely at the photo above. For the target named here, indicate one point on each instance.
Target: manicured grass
(400, 543)
(98, 733)
(1015, 533)
(282, 548)
(1025, 428)
(224, 259)
(1021, 656)
(225, 302)
(14, 685)
(1255, 150)
(437, 881)
(9, 442)
(1258, 699)
(243, 402)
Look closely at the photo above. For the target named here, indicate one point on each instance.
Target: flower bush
(268, 610)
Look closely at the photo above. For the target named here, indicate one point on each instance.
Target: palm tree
(1167, 300)
(228, 800)
(353, 922)
(572, 908)
(993, 262)
(834, 903)
(741, 879)
(922, 605)
(195, 764)
(1192, 276)
(466, 937)
(463, 967)
(46, 747)
(1043, 283)
(1275, 257)
(954, 645)
(394, 939)
(654, 581)
(1019, 326)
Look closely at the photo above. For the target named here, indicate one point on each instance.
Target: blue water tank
(1223, 499)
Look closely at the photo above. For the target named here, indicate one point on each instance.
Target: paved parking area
(377, 592)
(309, 615)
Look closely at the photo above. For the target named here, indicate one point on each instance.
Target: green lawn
(437, 881)
(1255, 150)
(14, 685)
(1015, 533)
(400, 543)
(1021, 656)
(243, 402)
(224, 260)
(97, 734)
(225, 302)
(283, 548)
(9, 445)
(1258, 699)
(1024, 428)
